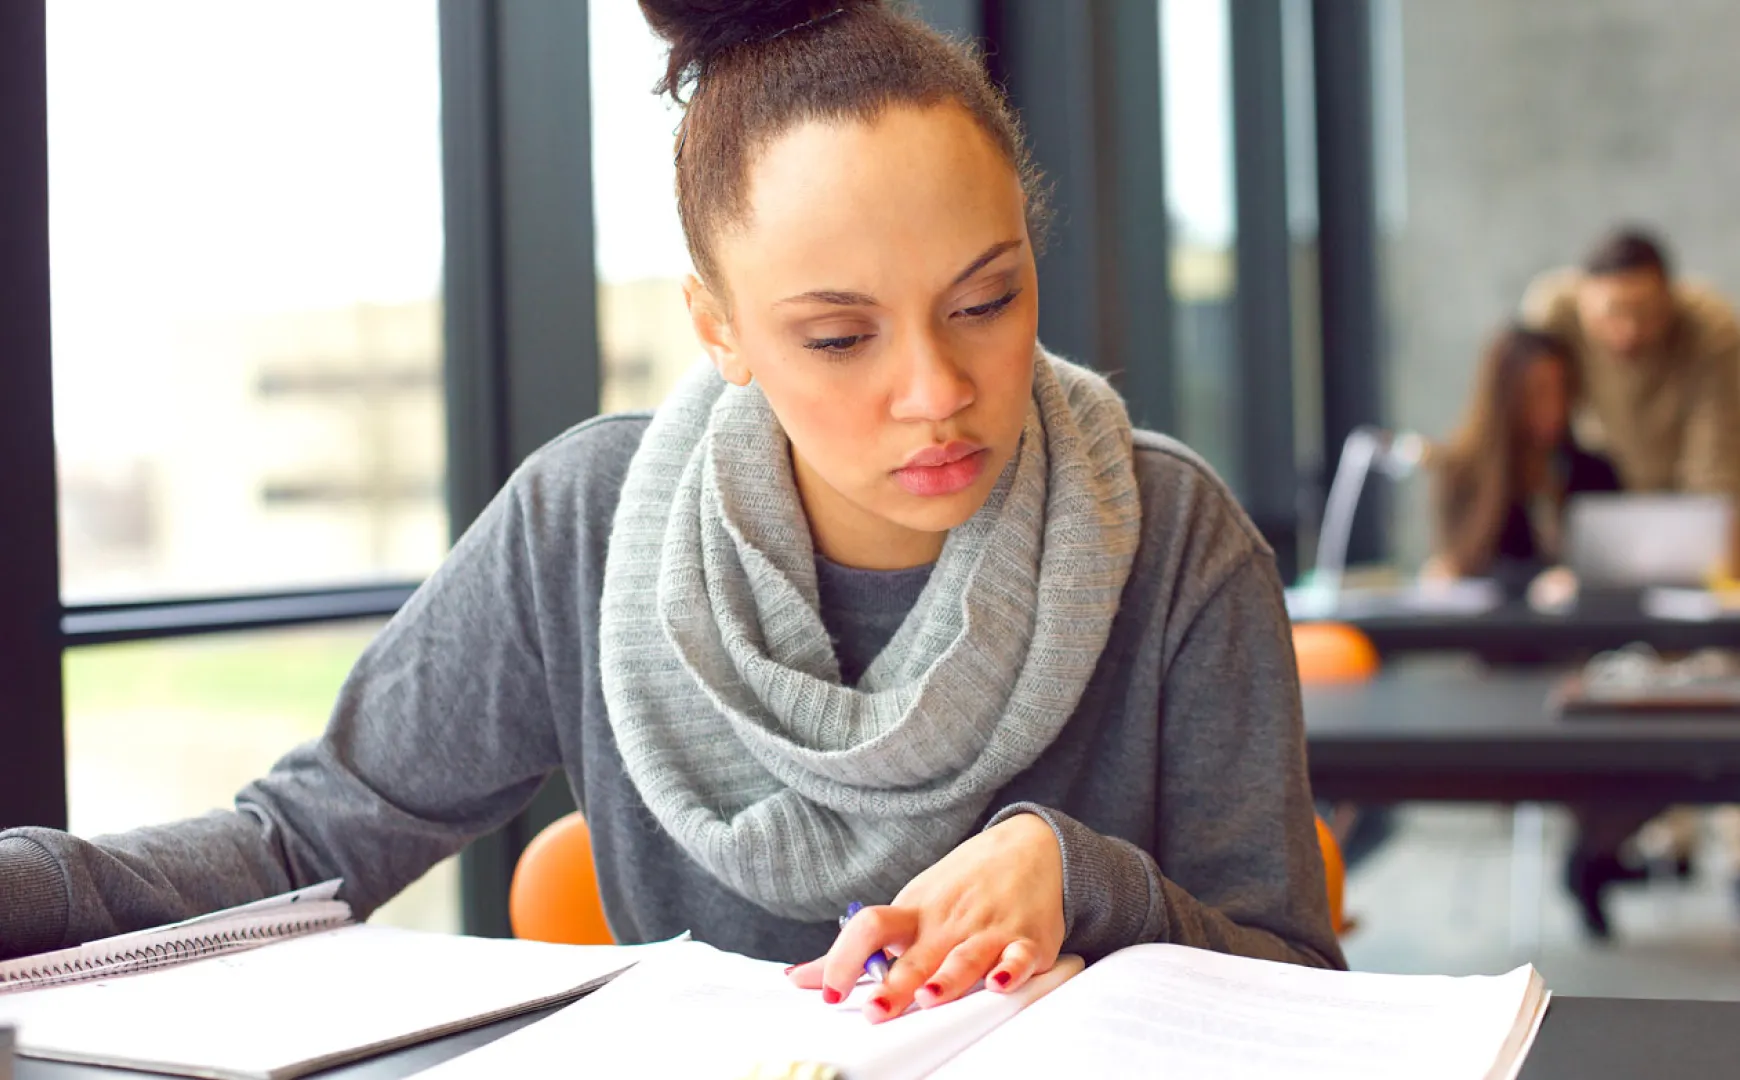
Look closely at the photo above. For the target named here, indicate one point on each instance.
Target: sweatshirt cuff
(1111, 887)
(34, 905)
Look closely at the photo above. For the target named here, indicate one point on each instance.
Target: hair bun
(699, 30)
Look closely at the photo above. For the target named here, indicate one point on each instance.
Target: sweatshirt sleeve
(1238, 866)
(441, 733)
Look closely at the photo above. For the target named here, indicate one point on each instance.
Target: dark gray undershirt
(863, 608)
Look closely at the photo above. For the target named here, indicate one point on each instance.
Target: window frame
(521, 364)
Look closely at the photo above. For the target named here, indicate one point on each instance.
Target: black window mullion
(1086, 80)
(102, 624)
(522, 356)
(32, 724)
(1262, 384)
(1347, 244)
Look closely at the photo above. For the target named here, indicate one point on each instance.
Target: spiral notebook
(231, 930)
(280, 989)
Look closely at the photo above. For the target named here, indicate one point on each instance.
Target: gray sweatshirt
(1178, 790)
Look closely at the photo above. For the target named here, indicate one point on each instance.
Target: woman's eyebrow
(846, 298)
(979, 263)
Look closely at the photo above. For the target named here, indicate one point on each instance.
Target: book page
(293, 1006)
(701, 1012)
(1190, 1012)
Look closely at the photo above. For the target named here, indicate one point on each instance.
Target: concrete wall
(1526, 128)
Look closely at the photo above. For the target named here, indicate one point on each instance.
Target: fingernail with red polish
(933, 989)
(830, 996)
(881, 1004)
(1001, 978)
(791, 969)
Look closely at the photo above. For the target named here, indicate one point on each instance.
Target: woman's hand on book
(990, 910)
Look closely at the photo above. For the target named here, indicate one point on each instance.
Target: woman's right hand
(1553, 590)
(1437, 570)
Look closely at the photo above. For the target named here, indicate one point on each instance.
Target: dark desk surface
(1468, 734)
(1514, 628)
(1581, 1039)
(1518, 629)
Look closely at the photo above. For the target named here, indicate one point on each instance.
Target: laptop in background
(1635, 541)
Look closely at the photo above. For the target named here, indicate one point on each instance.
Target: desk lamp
(1397, 455)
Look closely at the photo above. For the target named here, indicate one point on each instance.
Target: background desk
(1488, 736)
(1581, 1039)
(1396, 626)
(1517, 629)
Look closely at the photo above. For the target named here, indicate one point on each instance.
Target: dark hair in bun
(699, 30)
(753, 68)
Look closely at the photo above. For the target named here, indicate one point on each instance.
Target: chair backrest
(1331, 652)
(554, 895)
(1334, 874)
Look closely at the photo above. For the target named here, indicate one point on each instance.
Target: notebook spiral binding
(163, 953)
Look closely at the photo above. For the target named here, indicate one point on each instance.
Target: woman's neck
(1535, 470)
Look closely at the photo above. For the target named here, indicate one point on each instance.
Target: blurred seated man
(1657, 365)
(1658, 389)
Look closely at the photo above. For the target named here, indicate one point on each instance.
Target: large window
(1196, 84)
(643, 325)
(246, 276)
(157, 731)
(246, 273)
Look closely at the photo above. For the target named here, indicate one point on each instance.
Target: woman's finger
(961, 970)
(870, 930)
(807, 976)
(910, 973)
(1019, 961)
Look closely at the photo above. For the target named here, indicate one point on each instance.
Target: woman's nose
(933, 385)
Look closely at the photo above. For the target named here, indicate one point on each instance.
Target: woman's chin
(937, 513)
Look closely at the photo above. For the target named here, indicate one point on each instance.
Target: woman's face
(1544, 411)
(883, 295)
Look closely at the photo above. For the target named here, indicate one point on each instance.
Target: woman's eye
(992, 307)
(836, 344)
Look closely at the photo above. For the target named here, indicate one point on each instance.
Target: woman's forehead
(913, 194)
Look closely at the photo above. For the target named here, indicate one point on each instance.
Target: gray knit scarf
(723, 689)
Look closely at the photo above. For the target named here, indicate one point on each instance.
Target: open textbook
(280, 989)
(692, 1011)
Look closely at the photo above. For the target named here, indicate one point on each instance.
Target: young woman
(1502, 488)
(885, 604)
(1505, 476)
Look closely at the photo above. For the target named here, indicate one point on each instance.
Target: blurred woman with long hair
(1504, 480)
(1505, 476)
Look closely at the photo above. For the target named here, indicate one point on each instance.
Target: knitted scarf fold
(721, 682)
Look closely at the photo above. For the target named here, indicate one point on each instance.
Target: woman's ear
(712, 321)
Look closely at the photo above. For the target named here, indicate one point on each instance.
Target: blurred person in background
(1657, 368)
(1657, 365)
(1504, 478)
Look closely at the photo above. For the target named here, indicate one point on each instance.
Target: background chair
(554, 895)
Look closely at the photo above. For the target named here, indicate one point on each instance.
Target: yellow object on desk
(1719, 580)
(796, 1070)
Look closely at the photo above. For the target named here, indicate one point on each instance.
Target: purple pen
(877, 965)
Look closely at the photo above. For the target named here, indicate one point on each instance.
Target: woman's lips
(942, 470)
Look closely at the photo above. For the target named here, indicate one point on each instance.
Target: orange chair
(1334, 874)
(554, 895)
(1331, 652)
